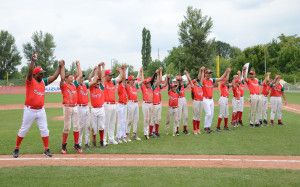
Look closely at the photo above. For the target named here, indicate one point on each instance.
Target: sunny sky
(100, 30)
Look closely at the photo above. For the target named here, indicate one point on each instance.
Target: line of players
(106, 111)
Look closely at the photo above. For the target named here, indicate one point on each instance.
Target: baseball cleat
(124, 140)
(241, 123)
(177, 133)
(265, 122)
(64, 149)
(128, 139)
(94, 143)
(226, 129)
(186, 132)
(251, 125)
(103, 144)
(146, 137)
(157, 134)
(78, 149)
(87, 146)
(47, 153)
(114, 142)
(218, 129)
(135, 137)
(16, 153)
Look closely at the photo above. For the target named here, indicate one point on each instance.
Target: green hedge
(12, 82)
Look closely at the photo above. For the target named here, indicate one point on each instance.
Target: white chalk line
(291, 108)
(154, 159)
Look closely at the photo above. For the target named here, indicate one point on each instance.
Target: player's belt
(156, 103)
(34, 107)
(122, 103)
(133, 101)
(98, 106)
(111, 103)
(82, 105)
(224, 96)
(208, 97)
(181, 96)
(266, 95)
(198, 100)
(147, 102)
(174, 107)
(69, 105)
(254, 94)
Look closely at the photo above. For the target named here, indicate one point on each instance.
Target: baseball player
(173, 92)
(277, 92)
(223, 103)
(83, 108)
(183, 108)
(208, 102)
(110, 104)
(236, 100)
(147, 104)
(122, 111)
(255, 99)
(97, 102)
(240, 107)
(197, 96)
(156, 110)
(133, 106)
(265, 92)
(34, 104)
(70, 109)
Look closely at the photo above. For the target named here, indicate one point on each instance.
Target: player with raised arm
(34, 104)
(182, 107)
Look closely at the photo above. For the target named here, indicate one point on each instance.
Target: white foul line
(154, 159)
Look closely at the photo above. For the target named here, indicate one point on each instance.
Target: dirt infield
(198, 161)
(290, 107)
(12, 89)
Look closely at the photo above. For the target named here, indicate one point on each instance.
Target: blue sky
(100, 30)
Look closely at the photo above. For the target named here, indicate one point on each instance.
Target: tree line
(195, 49)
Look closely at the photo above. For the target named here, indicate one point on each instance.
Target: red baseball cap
(38, 70)
(108, 72)
(131, 77)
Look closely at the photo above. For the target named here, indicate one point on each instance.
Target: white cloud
(101, 30)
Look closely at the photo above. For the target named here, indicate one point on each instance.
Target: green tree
(146, 48)
(131, 70)
(43, 44)
(225, 50)
(152, 67)
(193, 36)
(9, 56)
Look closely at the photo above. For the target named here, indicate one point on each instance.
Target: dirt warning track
(147, 160)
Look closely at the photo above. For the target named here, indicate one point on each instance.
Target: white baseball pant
(122, 120)
(264, 107)
(84, 123)
(208, 105)
(197, 110)
(172, 113)
(147, 111)
(156, 114)
(276, 108)
(110, 121)
(70, 118)
(223, 102)
(97, 119)
(183, 110)
(29, 116)
(255, 109)
(132, 116)
(236, 104)
(241, 105)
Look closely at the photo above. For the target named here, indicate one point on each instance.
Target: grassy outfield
(57, 98)
(140, 176)
(277, 140)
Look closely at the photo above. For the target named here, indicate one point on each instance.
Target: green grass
(141, 176)
(277, 140)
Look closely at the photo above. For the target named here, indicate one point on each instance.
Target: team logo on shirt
(96, 95)
(35, 91)
(82, 92)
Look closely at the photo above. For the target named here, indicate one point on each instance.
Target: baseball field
(243, 156)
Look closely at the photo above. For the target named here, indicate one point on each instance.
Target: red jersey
(109, 91)
(97, 95)
(69, 93)
(156, 94)
(122, 94)
(265, 89)
(241, 87)
(147, 94)
(181, 93)
(197, 92)
(224, 90)
(277, 90)
(35, 92)
(253, 86)
(173, 98)
(236, 92)
(208, 86)
(132, 92)
(82, 93)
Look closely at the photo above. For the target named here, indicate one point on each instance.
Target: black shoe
(87, 146)
(64, 148)
(152, 135)
(280, 123)
(185, 132)
(241, 123)
(16, 153)
(226, 129)
(177, 133)
(94, 143)
(265, 122)
(146, 137)
(102, 144)
(78, 149)
(218, 129)
(47, 153)
(251, 125)
(257, 125)
(157, 134)
(208, 130)
(260, 122)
